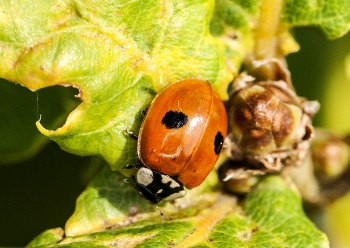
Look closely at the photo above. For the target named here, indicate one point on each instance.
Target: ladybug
(180, 139)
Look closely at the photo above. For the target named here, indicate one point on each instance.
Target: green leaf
(107, 200)
(231, 23)
(47, 237)
(117, 53)
(331, 16)
(272, 216)
(281, 218)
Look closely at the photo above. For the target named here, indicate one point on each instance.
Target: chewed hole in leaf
(19, 138)
(55, 103)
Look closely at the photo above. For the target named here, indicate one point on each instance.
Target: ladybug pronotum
(180, 139)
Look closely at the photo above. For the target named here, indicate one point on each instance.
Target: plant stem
(266, 33)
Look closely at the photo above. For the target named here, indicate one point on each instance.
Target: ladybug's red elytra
(180, 139)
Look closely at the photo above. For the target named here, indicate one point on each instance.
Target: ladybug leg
(231, 149)
(132, 166)
(130, 134)
(160, 211)
(144, 112)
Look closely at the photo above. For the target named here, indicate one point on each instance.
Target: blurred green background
(320, 71)
(40, 192)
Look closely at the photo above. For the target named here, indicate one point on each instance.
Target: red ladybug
(180, 139)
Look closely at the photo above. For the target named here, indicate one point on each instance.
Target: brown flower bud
(269, 123)
(330, 156)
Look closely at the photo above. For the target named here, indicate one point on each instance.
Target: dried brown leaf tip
(270, 126)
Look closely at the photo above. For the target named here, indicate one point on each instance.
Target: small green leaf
(272, 216)
(47, 237)
(332, 17)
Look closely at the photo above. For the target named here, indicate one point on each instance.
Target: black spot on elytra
(218, 142)
(174, 119)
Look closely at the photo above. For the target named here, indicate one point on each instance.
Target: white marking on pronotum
(173, 183)
(144, 176)
(175, 195)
